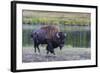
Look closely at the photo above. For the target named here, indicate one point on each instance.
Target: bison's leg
(35, 43)
(47, 48)
(53, 52)
(47, 52)
(38, 48)
(34, 48)
(50, 48)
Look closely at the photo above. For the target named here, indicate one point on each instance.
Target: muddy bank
(66, 54)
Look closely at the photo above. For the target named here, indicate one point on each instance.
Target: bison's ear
(57, 34)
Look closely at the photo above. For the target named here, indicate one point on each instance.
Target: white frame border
(21, 65)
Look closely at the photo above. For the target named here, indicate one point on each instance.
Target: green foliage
(44, 20)
(70, 19)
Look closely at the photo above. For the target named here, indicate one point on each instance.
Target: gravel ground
(66, 54)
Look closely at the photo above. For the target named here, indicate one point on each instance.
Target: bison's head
(61, 39)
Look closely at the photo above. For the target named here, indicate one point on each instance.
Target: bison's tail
(31, 35)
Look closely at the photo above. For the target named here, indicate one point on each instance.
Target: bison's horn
(57, 35)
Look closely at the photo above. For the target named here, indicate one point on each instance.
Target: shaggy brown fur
(50, 30)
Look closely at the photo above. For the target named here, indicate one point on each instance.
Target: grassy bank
(48, 17)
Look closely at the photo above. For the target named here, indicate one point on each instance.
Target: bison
(50, 35)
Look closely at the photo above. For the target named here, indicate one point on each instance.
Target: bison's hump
(50, 31)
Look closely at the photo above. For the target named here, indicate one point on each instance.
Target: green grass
(47, 17)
